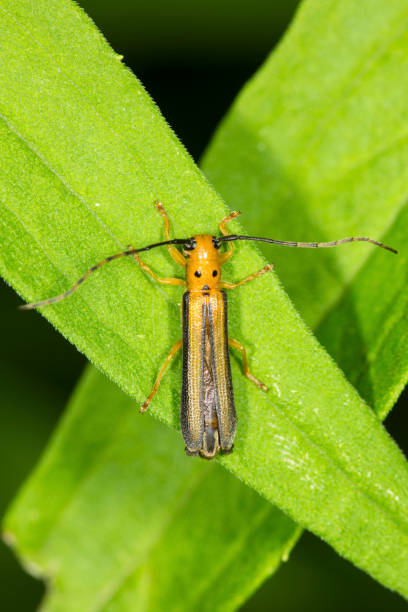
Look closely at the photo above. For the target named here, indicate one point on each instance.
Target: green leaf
(314, 150)
(370, 342)
(159, 521)
(81, 138)
(49, 211)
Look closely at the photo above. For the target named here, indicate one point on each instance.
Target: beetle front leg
(148, 270)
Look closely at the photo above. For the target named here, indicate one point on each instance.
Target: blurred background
(193, 58)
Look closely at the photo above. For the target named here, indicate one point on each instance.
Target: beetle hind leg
(245, 364)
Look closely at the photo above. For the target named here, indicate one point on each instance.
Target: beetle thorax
(203, 271)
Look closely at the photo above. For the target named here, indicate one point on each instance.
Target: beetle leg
(174, 350)
(174, 253)
(227, 285)
(163, 281)
(245, 365)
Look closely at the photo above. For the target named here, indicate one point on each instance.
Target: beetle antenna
(307, 245)
(88, 273)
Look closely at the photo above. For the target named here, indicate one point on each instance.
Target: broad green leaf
(66, 215)
(313, 150)
(89, 146)
(173, 533)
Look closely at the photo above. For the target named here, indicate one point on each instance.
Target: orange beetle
(208, 417)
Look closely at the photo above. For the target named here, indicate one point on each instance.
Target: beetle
(207, 414)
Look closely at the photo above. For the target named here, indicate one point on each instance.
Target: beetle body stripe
(208, 418)
(221, 368)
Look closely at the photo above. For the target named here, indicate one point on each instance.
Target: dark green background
(193, 58)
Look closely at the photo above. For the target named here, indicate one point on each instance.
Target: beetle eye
(215, 272)
(190, 245)
(197, 273)
(216, 242)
